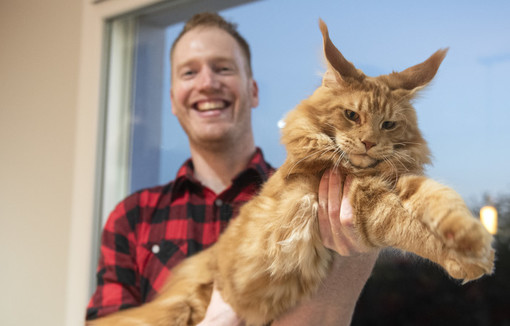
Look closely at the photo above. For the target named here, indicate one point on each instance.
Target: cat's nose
(368, 145)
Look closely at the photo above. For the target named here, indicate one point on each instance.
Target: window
(464, 114)
(144, 144)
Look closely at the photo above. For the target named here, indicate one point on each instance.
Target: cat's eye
(351, 115)
(388, 125)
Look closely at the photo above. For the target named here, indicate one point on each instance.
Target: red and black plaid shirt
(151, 231)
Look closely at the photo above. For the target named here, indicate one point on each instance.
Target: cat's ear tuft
(418, 76)
(338, 65)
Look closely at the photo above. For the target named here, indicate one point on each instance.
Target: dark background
(407, 290)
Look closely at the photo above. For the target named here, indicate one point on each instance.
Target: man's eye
(187, 73)
(225, 70)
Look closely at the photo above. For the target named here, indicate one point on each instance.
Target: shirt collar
(257, 166)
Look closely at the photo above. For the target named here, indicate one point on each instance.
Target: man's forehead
(190, 61)
(211, 43)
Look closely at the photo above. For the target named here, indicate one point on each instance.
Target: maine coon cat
(271, 256)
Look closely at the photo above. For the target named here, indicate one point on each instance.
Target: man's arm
(336, 299)
(117, 286)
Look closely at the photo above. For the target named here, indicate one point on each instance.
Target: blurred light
(489, 218)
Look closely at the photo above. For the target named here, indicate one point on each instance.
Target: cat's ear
(416, 77)
(339, 69)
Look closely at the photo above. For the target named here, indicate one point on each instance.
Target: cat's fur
(271, 256)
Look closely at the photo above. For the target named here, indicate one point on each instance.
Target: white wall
(50, 74)
(39, 52)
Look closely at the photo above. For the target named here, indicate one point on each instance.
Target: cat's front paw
(469, 247)
(469, 269)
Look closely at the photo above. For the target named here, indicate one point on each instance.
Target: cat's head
(365, 125)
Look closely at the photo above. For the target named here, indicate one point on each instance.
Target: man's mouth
(211, 105)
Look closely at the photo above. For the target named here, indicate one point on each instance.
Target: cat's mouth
(362, 161)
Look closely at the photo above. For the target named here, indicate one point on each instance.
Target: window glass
(464, 113)
(465, 104)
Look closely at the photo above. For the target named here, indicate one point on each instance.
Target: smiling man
(213, 93)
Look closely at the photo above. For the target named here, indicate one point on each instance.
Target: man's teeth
(210, 105)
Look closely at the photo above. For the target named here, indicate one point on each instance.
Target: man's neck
(215, 168)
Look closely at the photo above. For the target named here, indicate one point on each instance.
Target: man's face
(212, 94)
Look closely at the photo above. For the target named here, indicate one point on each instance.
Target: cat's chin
(362, 161)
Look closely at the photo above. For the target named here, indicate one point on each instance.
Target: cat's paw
(469, 269)
(469, 245)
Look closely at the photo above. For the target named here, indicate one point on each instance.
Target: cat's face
(366, 125)
(368, 130)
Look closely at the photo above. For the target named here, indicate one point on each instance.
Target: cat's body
(271, 256)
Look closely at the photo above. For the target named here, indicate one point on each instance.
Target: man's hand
(219, 313)
(336, 215)
(336, 298)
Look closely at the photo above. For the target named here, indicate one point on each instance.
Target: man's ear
(172, 101)
(254, 93)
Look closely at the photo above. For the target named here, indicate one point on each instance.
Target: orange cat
(271, 256)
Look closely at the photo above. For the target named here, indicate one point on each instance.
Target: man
(212, 95)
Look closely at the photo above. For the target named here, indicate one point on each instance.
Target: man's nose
(208, 79)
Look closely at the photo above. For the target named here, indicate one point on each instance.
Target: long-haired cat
(271, 256)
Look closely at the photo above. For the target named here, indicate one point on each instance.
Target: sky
(464, 113)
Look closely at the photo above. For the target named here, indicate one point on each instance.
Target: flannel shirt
(152, 230)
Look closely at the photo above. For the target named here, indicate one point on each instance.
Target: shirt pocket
(155, 260)
(156, 255)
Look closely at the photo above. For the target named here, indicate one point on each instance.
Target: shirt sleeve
(118, 282)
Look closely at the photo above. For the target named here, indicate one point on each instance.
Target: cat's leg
(176, 313)
(424, 217)
(467, 242)
(187, 294)
(181, 302)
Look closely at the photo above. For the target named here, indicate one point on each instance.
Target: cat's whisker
(318, 152)
(408, 158)
(404, 143)
(341, 155)
(400, 158)
(393, 168)
(391, 174)
(396, 159)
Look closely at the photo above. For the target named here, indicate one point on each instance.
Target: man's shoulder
(139, 207)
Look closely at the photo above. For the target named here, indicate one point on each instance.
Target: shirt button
(155, 249)
(218, 202)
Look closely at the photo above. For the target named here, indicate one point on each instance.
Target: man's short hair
(210, 19)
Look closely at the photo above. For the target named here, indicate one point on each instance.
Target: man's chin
(213, 140)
